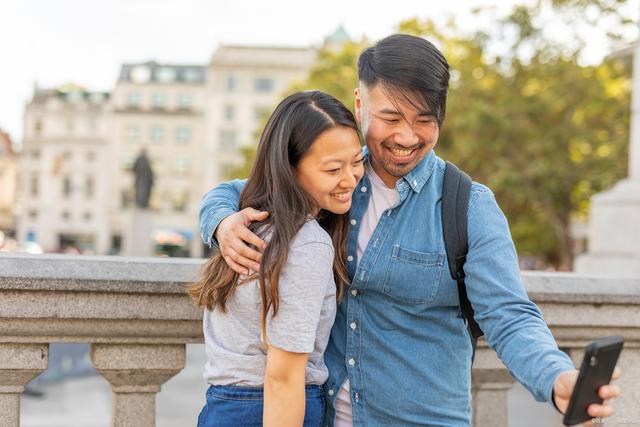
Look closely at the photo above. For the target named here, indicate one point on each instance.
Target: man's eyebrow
(397, 113)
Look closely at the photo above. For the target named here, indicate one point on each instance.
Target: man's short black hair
(410, 67)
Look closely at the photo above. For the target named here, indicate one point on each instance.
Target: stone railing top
(575, 288)
(92, 273)
(169, 275)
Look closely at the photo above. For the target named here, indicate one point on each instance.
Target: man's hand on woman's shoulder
(234, 238)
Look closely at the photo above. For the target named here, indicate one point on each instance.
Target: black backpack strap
(455, 204)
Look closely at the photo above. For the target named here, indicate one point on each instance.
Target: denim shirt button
(353, 222)
(353, 325)
(354, 292)
(331, 392)
(363, 189)
(349, 258)
(352, 362)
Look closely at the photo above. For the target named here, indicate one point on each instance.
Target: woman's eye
(357, 162)
(333, 170)
(391, 121)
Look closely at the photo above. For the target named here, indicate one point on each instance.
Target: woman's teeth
(400, 152)
(342, 196)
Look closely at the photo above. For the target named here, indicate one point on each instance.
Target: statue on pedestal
(144, 179)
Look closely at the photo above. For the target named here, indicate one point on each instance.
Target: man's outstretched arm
(221, 225)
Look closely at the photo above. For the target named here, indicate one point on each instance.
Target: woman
(265, 334)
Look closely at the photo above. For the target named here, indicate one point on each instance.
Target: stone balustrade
(137, 317)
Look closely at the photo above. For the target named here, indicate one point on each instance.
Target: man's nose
(406, 136)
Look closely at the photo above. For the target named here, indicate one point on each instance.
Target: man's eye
(333, 171)
(357, 162)
(391, 121)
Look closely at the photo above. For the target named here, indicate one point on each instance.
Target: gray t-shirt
(307, 293)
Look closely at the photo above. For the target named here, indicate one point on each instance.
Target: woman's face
(330, 170)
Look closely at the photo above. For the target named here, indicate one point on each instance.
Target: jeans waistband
(250, 393)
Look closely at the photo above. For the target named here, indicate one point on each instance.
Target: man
(399, 352)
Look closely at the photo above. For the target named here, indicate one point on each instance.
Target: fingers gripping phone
(599, 361)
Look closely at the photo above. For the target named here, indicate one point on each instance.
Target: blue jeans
(231, 406)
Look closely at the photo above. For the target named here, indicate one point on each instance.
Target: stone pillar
(491, 381)
(613, 217)
(136, 372)
(19, 364)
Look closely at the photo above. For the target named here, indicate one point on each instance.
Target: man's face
(398, 135)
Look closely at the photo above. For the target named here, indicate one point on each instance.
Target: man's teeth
(400, 152)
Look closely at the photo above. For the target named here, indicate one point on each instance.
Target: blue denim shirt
(399, 335)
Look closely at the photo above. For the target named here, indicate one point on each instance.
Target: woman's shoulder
(312, 234)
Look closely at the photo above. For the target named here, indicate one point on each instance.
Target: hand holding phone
(597, 367)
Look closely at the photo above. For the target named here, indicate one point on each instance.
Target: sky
(53, 42)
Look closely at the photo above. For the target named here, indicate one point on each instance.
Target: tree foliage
(543, 131)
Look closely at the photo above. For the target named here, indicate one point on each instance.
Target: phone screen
(599, 361)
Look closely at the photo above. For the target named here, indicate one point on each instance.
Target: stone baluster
(19, 364)
(136, 372)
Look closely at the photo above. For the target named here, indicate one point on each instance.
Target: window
(89, 187)
(91, 156)
(229, 112)
(33, 186)
(37, 126)
(33, 215)
(193, 75)
(184, 101)
(87, 216)
(133, 133)
(227, 139)
(35, 154)
(126, 198)
(230, 85)
(180, 200)
(263, 85)
(166, 74)
(134, 100)
(127, 162)
(261, 113)
(70, 126)
(65, 215)
(182, 165)
(183, 135)
(66, 186)
(158, 100)
(157, 134)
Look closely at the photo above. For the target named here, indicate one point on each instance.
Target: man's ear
(358, 104)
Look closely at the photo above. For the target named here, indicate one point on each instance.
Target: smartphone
(600, 358)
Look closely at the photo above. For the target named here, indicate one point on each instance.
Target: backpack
(456, 190)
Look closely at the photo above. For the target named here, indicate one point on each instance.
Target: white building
(63, 175)
(8, 183)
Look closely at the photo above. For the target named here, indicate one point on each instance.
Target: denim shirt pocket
(412, 277)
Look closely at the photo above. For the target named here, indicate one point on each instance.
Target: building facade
(64, 175)
(8, 183)
(76, 186)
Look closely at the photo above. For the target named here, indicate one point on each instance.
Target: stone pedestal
(614, 233)
(138, 236)
(136, 372)
(19, 364)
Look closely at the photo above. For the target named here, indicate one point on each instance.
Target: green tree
(544, 133)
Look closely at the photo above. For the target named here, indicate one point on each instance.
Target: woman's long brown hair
(289, 134)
